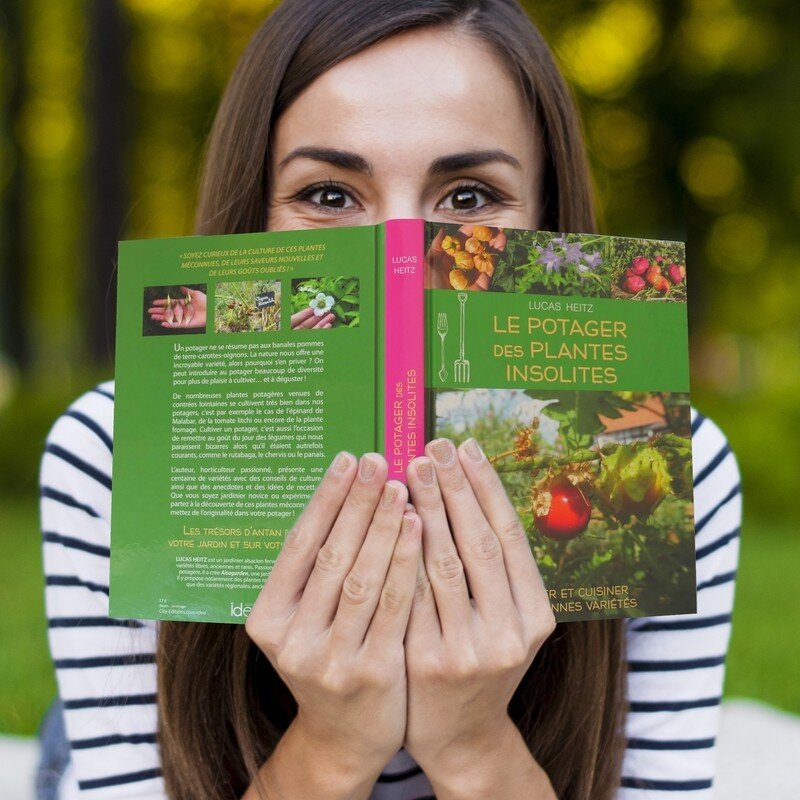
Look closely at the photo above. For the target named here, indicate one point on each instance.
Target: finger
(160, 302)
(335, 558)
(437, 263)
(524, 578)
(324, 321)
(499, 242)
(424, 629)
(363, 584)
(156, 315)
(310, 321)
(436, 243)
(301, 315)
(302, 542)
(390, 621)
(477, 543)
(442, 563)
(482, 281)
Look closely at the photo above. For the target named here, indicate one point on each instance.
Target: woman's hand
(307, 319)
(181, 314)
(333, 612)
(466, 656)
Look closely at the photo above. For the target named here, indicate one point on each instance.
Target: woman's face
(423, 124)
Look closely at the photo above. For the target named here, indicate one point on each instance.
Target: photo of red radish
(653, 274)
(639, 266)
(644, 270)
(634, 284)
(569, 512)
(662, 285)
(677, 273)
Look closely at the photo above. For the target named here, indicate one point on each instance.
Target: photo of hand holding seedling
(183, 311)
(172, 309)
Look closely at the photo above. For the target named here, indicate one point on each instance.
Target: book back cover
(230, 402)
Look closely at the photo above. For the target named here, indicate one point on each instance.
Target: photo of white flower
(325, 301)
(321, 303)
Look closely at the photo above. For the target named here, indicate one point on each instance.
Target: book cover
(565, 355)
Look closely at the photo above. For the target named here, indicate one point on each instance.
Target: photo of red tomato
(569, 512)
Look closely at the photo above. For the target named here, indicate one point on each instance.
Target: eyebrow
(442, 165)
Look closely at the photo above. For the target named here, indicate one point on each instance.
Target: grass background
(762, 646)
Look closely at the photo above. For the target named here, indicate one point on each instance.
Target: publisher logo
(239, 610)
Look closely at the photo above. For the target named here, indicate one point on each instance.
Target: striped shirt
(106, 671)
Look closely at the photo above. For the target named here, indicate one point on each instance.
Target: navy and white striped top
(106, 672)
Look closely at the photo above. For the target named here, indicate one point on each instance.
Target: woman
(349, 112)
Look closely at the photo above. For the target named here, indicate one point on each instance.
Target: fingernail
(442, 451)
(425, 472)
(407, 524)
(367, 468)
(473, 450)
(341, 462)
(389, 495)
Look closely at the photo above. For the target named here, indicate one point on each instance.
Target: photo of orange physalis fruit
(464, 260)
(451, 245)
(459, 278)
(474, 245)
(484, 262)
(466, 253)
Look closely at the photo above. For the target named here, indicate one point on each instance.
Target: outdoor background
(691, 112)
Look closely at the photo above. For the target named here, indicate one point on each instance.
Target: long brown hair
(221, 706)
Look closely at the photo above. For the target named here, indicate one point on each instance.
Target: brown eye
(332, 197)
(470, 199)
(464, 198)
(327, 197)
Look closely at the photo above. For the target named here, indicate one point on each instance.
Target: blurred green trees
(689, 108)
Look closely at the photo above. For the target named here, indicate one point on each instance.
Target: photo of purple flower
(573, 252)
(594, 260)
(548, 258)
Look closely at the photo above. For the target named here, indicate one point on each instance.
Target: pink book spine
(404, 367)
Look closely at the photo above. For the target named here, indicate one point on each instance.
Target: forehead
(424, 89)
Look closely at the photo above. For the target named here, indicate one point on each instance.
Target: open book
(245, 362)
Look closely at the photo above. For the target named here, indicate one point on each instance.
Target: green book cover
(571, 369)
(565, 355)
